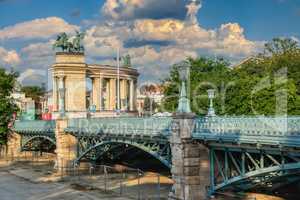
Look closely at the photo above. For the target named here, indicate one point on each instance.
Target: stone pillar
(101, 107)
(96, 93)
(66, 146)
(61, 90)
(123, 93)
(13, 145)
(55, 94)
(112, 94)
(190, 161)
(132, 96)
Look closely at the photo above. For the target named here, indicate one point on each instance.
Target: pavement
(16, 187)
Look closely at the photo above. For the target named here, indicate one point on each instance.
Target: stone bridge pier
(13, 145)
(66, 146)
(190, 161)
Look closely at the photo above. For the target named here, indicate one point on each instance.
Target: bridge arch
(247, 169)
(139, 146)
(42, 138)
(260, 172)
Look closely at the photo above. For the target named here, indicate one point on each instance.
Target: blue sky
(155, 33)
(262, 19)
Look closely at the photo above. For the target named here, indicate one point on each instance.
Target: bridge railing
(34, 127)
(281, 129)
(151, 126)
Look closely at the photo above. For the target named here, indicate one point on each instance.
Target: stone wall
(75, 92)
(190, 161)
(65, 57)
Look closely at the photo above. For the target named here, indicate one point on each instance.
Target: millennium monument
(113, 89)
(205, 155)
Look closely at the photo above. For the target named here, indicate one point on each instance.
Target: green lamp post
(184, 103)
(211, 96)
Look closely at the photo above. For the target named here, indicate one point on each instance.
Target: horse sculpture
(63, 42)
(77, 46)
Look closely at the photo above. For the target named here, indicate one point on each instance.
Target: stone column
(101, 93)
(112, 94)
(61, 90)
(54, 94)
(132, 96)
(66, 146)
(123, 93)
(96, 92)
(190, 161)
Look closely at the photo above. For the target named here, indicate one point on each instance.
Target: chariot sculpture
(64, 43)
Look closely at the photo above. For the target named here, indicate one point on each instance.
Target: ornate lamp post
(211, 96)
(184, 103)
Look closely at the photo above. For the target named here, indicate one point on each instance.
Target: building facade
(25, 104)
(154, 93)
(72, 98)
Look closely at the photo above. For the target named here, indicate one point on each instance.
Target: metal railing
(259, 125)
(119, 180)
(31, 158)
(34, 126)
(151, 126)
(114, 180)
(257, 130)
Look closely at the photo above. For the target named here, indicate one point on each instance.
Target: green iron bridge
(244, 152)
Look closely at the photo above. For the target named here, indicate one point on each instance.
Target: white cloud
(154, 44)
(32, 76)
(9, 57)
(165, 29)
(102, 41)
(137, 9)
(36, 60)
(38, 28)
(184, 39)
(38, 50)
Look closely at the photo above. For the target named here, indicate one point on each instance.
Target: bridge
(236, 153)
(205, 155)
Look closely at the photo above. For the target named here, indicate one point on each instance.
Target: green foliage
(34, 92)
(7, 105)
(205, 73)
(267, 84)
(149, 104)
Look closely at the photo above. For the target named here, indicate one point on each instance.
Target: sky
(155, 33)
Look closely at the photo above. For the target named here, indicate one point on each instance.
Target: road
(15, 188)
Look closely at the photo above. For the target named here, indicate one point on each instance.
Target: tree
(34, 92)
(267, 84)
(279, 46)
(7, 105)
(149, 105)
(205, 73)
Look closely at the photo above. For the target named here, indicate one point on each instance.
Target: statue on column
(64, 44)
(77, 42)
(127, 61)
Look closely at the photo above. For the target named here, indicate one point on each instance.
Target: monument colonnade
(71, 96)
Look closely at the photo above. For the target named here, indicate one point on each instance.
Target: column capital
(60, 77)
